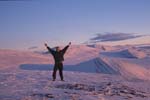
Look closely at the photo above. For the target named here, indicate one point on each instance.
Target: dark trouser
(58, 66)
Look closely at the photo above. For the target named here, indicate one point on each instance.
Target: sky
(27, 23)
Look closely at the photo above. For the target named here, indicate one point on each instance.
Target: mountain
(92, 72)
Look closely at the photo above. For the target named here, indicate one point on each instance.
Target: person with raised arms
(58, 56)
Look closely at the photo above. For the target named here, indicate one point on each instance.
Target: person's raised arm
(49, 49)
(66, 47)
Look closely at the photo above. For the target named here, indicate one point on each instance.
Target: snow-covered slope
(91, 73)
(80, 53)
(128, 69)
(37, 85)
(13, 58)
(127, 53)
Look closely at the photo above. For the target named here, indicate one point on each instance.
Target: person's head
(58, 49)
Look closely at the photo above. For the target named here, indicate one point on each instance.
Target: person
(58, 56)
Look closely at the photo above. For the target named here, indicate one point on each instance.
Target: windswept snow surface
(91, 73)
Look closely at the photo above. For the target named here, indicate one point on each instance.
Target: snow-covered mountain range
(92, 72)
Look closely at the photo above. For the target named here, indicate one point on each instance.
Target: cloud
(33, 47)
(102, 37)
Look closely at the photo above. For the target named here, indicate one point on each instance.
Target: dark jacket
(58, 56)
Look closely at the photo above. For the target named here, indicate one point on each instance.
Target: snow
(91, 73)
(37, 85)
(136, 53)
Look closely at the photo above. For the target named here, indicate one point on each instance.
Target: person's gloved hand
(46, 44)
(69, 43)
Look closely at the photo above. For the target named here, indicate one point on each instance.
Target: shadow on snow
(92, 66)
